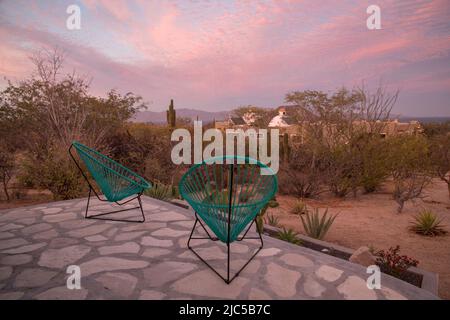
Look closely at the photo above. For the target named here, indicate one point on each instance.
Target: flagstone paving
(151, 260)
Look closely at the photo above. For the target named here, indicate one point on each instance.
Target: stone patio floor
(151, 261)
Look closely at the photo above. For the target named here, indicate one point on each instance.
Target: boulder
(363, 256)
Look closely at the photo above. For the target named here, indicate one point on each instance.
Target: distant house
(282, 120)
(230, 123)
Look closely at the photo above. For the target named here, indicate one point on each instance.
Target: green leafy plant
(272, 220)
(391, 262)
(428, 224)
(159, 191)
(299, 207)
(289, 235)
(317, 226)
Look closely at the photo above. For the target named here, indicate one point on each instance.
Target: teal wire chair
(227, 198)
(115, 181)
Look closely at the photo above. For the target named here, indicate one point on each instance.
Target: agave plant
(427, 223)
(317, 226)
(159, 191)
(289, 235)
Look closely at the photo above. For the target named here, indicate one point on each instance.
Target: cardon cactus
(171, 115)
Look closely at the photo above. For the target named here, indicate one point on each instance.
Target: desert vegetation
(42, 115)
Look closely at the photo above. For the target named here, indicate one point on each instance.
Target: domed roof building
(282, 120)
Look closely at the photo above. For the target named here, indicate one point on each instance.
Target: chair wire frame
(221, 207)
(94, 160)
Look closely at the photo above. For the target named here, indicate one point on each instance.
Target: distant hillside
(160, 117)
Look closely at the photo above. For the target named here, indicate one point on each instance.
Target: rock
(16, 259)
(62, 293)
(297, 260)
(281, 280)
(168, 232)
(120, 284)
(46, 235)
(5, 272)
(328, 273)
(96, 238)
(128, 247)
(62, 242)
(129, 235)
(60, 217)
(168, 216)
(256, 294)
(150, 241)
(110, 264)
(77, 223)
(4, 235)
(4, 244)
(363, 257)
(60, 258)
(166, 271)
(25, 249)
(206, 283)
(268, 252)
(10, 226)
(313, 288)
(33, 278)
(51, 210)
(355, 288)
(88, 231)
(11, 295)
(151, 295)
(155, 252)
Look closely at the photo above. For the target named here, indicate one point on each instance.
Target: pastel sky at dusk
(217, 55)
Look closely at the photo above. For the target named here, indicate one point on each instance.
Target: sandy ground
(372, 220)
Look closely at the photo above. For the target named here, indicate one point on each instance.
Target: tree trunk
(5, 189)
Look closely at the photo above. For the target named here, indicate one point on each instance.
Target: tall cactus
(171, 115)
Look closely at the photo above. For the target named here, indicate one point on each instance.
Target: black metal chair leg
(101, 216)
(227, 280)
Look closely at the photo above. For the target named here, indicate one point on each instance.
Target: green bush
(289, 235)
(57, 173)
(160, 191)
(316, 226)
(428, 224)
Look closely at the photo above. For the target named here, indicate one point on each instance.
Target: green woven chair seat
(206, 188)
(114, 180)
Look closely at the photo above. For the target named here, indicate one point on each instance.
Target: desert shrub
(299, 207)
(440, 157)
(374, 169)
(339, 169)
(7, 168)
(409, 166)
(428, 224)
(317, 226)
(289, 235)
(160, 191)
(391, 262)
(272, 220)
(55, 172)
(302, 175)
